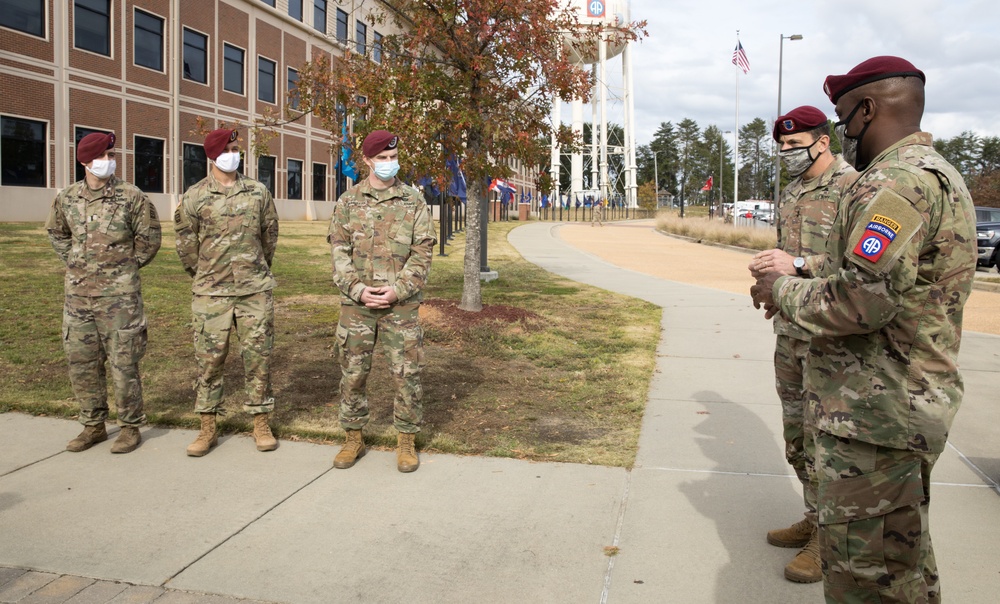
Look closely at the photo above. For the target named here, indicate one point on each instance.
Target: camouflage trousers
(99, 329)
(214, 318)
(398, 328)
(789, 369)
(597, 216)
(873, 533)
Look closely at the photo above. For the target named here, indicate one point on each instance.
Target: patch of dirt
(447, 316)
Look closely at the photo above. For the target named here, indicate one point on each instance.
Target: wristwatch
(799, 263)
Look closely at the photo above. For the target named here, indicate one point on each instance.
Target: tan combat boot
(262, 433)
(351, 452)
(805, 567)
(406, 453)
(207, 438)
(128, 440)
(796, 535)
(90, 436)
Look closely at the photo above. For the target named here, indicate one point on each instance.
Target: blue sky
(684, 68)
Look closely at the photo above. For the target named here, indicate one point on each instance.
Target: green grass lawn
(551, 370)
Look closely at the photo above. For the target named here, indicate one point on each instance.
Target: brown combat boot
(128, 440)
(90, 436)
(351, 452)
(262, 433)
(796, 535)
(805, 567)
(207, 438)
(406, 453)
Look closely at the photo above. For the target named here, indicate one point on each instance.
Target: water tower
(583, 50)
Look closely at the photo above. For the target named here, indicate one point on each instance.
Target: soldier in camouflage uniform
(382, 241)
(227, 231)
(104, 230)
(882, 379)
(808, 207)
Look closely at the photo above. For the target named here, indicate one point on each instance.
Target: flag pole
(736, 130)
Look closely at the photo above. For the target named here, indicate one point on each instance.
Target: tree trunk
(472, 292)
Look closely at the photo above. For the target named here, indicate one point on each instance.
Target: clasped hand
(379, 297)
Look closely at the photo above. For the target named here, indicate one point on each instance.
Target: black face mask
(850, 144)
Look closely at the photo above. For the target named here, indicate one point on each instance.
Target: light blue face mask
(386, 170)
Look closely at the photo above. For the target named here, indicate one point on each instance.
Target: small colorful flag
(740, 58)
(708, 184)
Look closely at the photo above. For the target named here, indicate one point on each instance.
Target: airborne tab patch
(881, 231)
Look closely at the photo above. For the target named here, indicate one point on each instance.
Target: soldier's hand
(372, 298)
(776, 261)
(762, 293)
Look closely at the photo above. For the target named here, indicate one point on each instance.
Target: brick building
(147, 69)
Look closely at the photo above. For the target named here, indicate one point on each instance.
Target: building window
(319, 15)
(265, 79)
(24, 15)
(341, 26)
(195, 164)
(22, 152)
(319, 182)
(294, 179)
(361, 36)
(293, 85)
(232, 69)
(195, 56)
(295, 9)
(92, 26)
(377, 47)
(147, 40)
(269, 3)
(81, 172)
(265, 172)
(149, 164)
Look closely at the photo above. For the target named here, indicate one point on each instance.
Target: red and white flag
(708, 184)
(740, 58)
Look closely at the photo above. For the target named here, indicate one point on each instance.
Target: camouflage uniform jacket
(806, 215)
(887, 321)
(104, 237)
(226, 239)
(381, 237)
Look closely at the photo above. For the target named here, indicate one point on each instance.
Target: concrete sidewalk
(689, 519)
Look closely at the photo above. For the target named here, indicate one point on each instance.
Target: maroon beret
(93, 146)
(799, 119)
(378, 141)
(217, 140)
(866, 72)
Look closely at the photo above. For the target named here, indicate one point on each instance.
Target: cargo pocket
(131, 344)
(873, 525)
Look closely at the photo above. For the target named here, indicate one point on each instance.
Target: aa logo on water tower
(595, 8)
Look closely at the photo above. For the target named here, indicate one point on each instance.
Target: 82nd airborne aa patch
(880, 232)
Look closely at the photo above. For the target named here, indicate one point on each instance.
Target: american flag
(740, 58)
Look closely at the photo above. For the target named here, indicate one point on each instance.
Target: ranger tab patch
(881, 231)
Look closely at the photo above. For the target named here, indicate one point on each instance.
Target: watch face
(799, 262)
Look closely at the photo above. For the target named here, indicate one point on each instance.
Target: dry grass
(703, 229)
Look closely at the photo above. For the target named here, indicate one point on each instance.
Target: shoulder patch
(887, 225)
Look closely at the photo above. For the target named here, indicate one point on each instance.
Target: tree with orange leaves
(472, 79)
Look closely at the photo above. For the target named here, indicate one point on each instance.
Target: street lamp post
(656, 181)
(777, 160)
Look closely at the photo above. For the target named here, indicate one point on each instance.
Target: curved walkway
(688, 521)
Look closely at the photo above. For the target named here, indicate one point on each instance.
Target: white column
(576, 160)
(602, 53)
(630, 167)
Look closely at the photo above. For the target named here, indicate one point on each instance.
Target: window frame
(185, 162)
(273, 172)
(43, 22)
(316, 11)
(243, 69)
(324, 181)
(376, 47)
(135, 38)
(136, 163)
(360, 36)
(206, 50)
(274, 80)
(346, 22)
(46, 125)
(301, 7)
(110, 29)
(292, 102)
(288, 178)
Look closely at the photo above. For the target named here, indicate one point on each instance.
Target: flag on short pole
(708, 184)
(740, 58)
